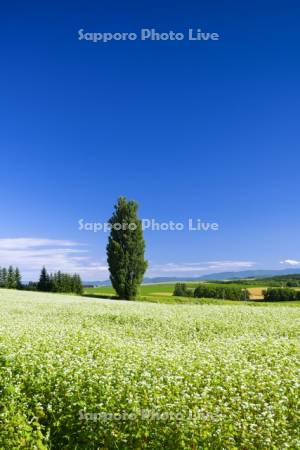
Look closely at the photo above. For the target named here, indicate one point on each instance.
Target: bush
(181, 290)
(281, 294)
(221, 292)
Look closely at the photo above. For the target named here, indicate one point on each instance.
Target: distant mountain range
(211, 276)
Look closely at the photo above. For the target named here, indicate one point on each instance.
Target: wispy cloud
(290, 262)
(31, 254)
(194, 268)
(25, 243)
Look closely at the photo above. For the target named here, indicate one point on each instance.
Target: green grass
(158, 293)
(208, 376)
(153, 289)
(146, 289)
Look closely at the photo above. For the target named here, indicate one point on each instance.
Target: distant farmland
(165, 290)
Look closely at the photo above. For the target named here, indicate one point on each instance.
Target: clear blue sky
(205, 130)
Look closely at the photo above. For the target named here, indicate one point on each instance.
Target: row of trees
(221, 292)
(10, 278)
(57, 282)
(234, 293)
(279, 295)
(208, 291)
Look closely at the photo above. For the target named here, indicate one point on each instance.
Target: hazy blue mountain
(211, 276)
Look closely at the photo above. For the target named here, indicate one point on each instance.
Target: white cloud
(194, 268)
(231, 264)
(25, 243)
(290, 262)
(31, 254)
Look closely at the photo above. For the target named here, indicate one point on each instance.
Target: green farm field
(163, 291)
(158, 289)
(84, 373)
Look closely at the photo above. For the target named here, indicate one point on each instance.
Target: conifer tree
(44, 281)
(18, 279)
(59, 282)
(4, 277)
(77, 285)
(2, 281)
(10, 281)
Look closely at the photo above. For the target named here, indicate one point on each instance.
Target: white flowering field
(78, 373)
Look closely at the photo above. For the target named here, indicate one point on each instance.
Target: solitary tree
(126, 249)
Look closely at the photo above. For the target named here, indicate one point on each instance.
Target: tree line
(208, 291)
(10, 278)
(234, 293)
(281, 294)
(57, 282)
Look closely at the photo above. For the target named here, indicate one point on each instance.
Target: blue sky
(206, 130)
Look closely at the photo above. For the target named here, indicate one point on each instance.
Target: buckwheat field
(78, 373)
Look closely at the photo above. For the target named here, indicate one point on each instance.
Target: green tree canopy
(126, 249)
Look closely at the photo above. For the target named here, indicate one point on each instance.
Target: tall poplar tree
(126, 249)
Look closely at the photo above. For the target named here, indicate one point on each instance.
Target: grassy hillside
(88, 374)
